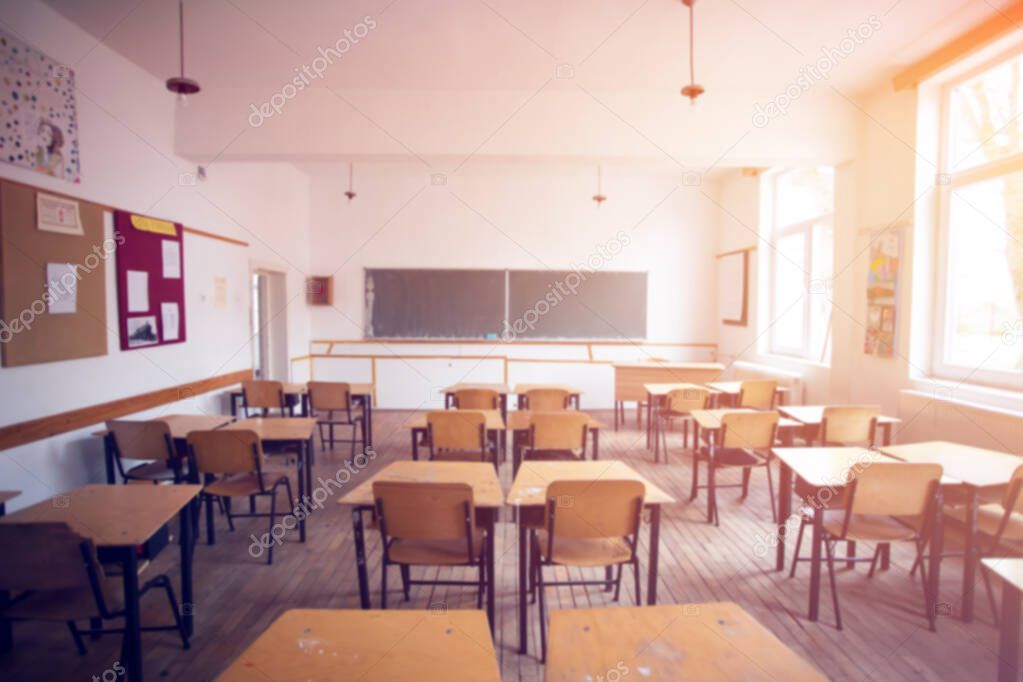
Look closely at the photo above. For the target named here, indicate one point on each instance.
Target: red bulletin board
(150, 281)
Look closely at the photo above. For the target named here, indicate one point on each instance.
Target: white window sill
(999, 400)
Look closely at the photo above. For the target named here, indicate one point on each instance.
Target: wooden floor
(236, 596)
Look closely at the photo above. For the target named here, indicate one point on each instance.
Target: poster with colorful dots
(38, 117)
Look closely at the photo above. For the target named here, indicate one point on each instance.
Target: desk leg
(367, 408)
(131, 647)
(616, 414)
(887, 434)
(937, 547)
(233, 400)
(596, 444)
(1008, 637)
(491, 562)
(639, 413)
(815, 564)
(305, 404)
(970, 555)
(360, 557)
(302, 464)
(784, 511)
(655, 426)
(6, 631)
(415, 444)
(655, 542)
(108, 457)
(523, 560)
(187, 547)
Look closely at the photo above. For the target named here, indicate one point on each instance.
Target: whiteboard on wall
(733, 287)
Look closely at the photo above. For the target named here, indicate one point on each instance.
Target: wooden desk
(298, 394)
(981, 474)
(655, 400)
(487, 496)
(528, 496)
(119, 518)
(522, 389)
(519, 422)
(6, 637)
(417, 426)
(716, 641)
(1011, 573)
(730, 390)
(812, 416)
(631, 377)
(371, 646)
(294, 432)
(822, 474)
(180, 426)
(502, 392)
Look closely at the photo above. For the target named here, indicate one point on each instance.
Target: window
(799, 209)
(980, 228)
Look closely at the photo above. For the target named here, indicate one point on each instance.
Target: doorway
(269, 325)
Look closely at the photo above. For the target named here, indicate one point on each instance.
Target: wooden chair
(758, 394)
(746, 441)
(996, 523)
(458, 435)
(557, 435)
(263, 396)
(547, 399)
(335, 399)
(477, 399)
(587, 524)
(54, 575)
(844, 425)
(236, 457)
(145, 440)
(677, 405)
(885, 502)
(429, 524)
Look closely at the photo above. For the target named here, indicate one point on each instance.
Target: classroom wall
(126, 120)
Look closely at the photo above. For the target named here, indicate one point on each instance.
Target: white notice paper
(171, 322)
(171, 259)
(138, 291)
(61, 288)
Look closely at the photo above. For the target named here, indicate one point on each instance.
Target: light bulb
(182, 99)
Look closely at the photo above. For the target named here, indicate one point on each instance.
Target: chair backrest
(142, 439)
(263, 394)
(1012, 500)
(424, 511)
(547, 399)
(477, 399)
(894, 488)
(849, 424)
(226, 451)
(758, 394)
(44, 556)
(749, 430)
(456, 429)
(558, 430)
(594, 509)
(685, 400)
(329, 395)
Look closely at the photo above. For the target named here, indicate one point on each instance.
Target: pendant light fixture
(693, 90)
(180, 85)
(599, 196)
(351, 176)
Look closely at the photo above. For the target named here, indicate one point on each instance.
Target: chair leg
(323, 443)
(291, 500)
(990, 594)
(172, 600)
(543, 612)
(799, 543)
(712, 497)
(210, 533)
(383, 584)
(746, 471)
(227, 507)
(873, 560)
(77, 636)
(273, 521)
(693, 491)
(618, 582)
(929, 598)
(483, 578)
(834, 587)
(770, 491)
(635, 573)
(850, 554)
(405, 577)
(355, 436)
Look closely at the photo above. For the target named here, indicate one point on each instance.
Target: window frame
(947, 183)
(805, 227)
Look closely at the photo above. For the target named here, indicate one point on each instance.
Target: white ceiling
(443, 79)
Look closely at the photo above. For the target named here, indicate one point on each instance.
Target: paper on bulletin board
(153, 225)
(138, 291)
(171, 255)
(57, 214)
(61, 288)
(171, 321)
(882, 279)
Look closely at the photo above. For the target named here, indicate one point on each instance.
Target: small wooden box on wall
(319, 290)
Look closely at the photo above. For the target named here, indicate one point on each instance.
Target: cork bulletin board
(35, 327)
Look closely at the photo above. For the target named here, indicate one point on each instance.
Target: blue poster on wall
(38, 116)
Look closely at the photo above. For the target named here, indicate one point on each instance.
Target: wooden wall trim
(108, 207)
(492, 342)
(978, 37)
(72, 420)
